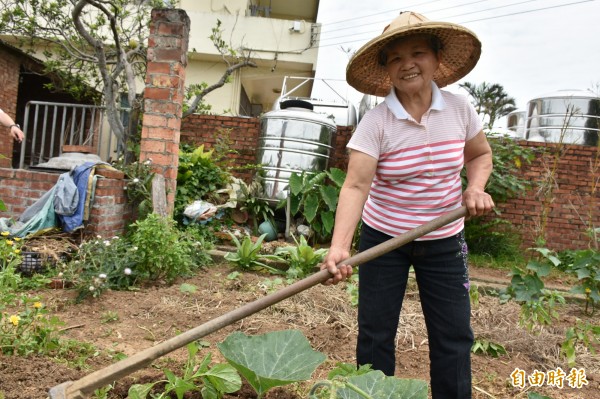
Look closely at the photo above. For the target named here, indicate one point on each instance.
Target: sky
(529, 47)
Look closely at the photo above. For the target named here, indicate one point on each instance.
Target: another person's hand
(17, 133)
(335, 256)
(477, 201)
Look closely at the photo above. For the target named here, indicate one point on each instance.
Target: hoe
(85, 386)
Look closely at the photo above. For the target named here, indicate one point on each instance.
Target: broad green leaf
(295, 183)
(328, 219)
(273, 359)
(336, 175)
(548, 254)
(535, 395)
(178, 384)
(294, 205)
(314, 181)
(208, 391)
(542, 269)
(224, 378)
(140, 391)
(583, 273)
(581, 263)
(330, 196)
(378, 386)
(311, 204)
(185, 287)
(2, 206)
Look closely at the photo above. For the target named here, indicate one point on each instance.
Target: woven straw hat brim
(460, 52)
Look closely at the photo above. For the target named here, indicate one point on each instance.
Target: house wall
(110, 212)
(273, 44)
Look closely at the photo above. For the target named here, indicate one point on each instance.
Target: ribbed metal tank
(568, 116)
(292, 139)
(515, 122)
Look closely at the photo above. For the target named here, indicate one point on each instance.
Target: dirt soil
(324, 314)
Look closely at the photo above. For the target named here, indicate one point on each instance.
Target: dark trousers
(442, 276)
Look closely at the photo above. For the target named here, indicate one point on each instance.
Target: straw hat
(459, 54)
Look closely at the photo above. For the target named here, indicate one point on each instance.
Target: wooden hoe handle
(83, 387)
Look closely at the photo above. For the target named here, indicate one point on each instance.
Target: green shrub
(198, 178)
(101, 264)
(10, 251)
(508, 156)
(315, 198)
(302, 258)
(26, 329)
(496, 238)
(139, 186)
(162, 252)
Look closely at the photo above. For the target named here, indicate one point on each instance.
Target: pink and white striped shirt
(418, 172)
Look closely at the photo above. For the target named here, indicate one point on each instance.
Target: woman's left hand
(477, 201)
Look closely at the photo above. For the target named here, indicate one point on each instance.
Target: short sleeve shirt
(419, 164)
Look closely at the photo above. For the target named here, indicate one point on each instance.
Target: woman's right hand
(338, 273)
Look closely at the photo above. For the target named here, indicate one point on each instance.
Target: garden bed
(125, 322)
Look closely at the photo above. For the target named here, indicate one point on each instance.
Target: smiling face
(411, 62)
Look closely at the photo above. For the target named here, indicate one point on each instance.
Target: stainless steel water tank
(515, 122)
(292, 139)
(568, 116)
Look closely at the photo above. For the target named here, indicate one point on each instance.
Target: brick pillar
(164, 93)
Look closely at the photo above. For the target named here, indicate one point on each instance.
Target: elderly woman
(404, 170)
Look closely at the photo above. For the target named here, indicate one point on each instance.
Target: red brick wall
(9, 84)
(244, 133)
(569, 213)
(163, 95)
(572, 207)
(110, 211)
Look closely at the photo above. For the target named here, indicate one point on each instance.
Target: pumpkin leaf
(378, 386)
(273, 359)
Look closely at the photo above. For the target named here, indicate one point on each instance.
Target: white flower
(125, 188)
(60, 274)
(127, 271)
(134, 248)
(92, 288)
(99, 237)
(147, 162)
(107, 243)
(115, 238)
(136, 180)
(102, 275)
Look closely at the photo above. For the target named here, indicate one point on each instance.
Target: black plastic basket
(33, 262)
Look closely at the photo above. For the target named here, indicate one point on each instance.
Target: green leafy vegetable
(273, 359)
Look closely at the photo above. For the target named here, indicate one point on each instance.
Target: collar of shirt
(394, 105)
